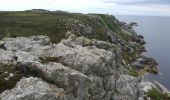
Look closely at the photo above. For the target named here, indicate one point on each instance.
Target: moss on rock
(8, 77)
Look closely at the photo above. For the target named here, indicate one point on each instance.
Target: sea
(156, 32)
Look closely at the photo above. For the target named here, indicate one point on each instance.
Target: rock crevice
(78, 68)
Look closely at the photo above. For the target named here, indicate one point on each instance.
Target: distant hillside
(56, 24)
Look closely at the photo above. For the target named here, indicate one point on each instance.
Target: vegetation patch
(154, 94)
(9, 76)
(133, 73)
(113, 24)
(55, 25)
(52, 24)
(49, 59)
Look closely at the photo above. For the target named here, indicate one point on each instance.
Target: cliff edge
(90, 57)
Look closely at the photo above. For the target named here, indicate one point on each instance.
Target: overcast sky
(116, 7)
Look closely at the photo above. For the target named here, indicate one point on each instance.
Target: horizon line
(114, 14)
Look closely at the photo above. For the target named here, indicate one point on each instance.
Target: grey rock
(127, 88)
(96, 89)
(33, 89)
(2, 42)
(78, 26)
(7, 57)
(145, 86)
(72, 81)
(26, 44)
(109, 82)
(88, 60)
(85, 69)
(23, 56)
(83, 41)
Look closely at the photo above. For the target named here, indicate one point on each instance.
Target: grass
(53, 24)
(154, 94)
(49, 59)
(23, 14)
(27, 24)
(133, 73)
(8, 84)
(113, 24)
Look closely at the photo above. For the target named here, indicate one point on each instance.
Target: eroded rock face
(6, 57)
(144, 87)
(72, 81)
(79, 27)
(127, 88)
(33, 89)
(26, 44)
(78, 68)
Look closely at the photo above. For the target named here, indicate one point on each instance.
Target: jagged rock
(7, 57)
(27, 49)
(127, 88)
(2, 45)
(73, 82)
(80, 68)
(79, 27)
(88, 60)
(138, 39)
(33, 89)
(96, 89)
(23, 56)
(145, 86)
(145, 62)
(73, 40)
(86, 69)
(26, 44)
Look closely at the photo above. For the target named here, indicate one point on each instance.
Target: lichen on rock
(77, 68)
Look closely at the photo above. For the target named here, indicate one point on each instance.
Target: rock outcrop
(33, 89)
(77, 68)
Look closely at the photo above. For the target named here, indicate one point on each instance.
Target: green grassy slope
(53, 24)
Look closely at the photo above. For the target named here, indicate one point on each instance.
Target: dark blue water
(156, 31)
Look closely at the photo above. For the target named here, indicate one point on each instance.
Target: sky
(115, 7)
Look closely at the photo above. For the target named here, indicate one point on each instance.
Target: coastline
(156, 32)
(112, 56)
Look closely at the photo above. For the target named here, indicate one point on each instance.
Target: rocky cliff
(87, 64)
(77, 68)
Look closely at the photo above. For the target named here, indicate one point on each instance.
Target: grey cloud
(139, 2)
